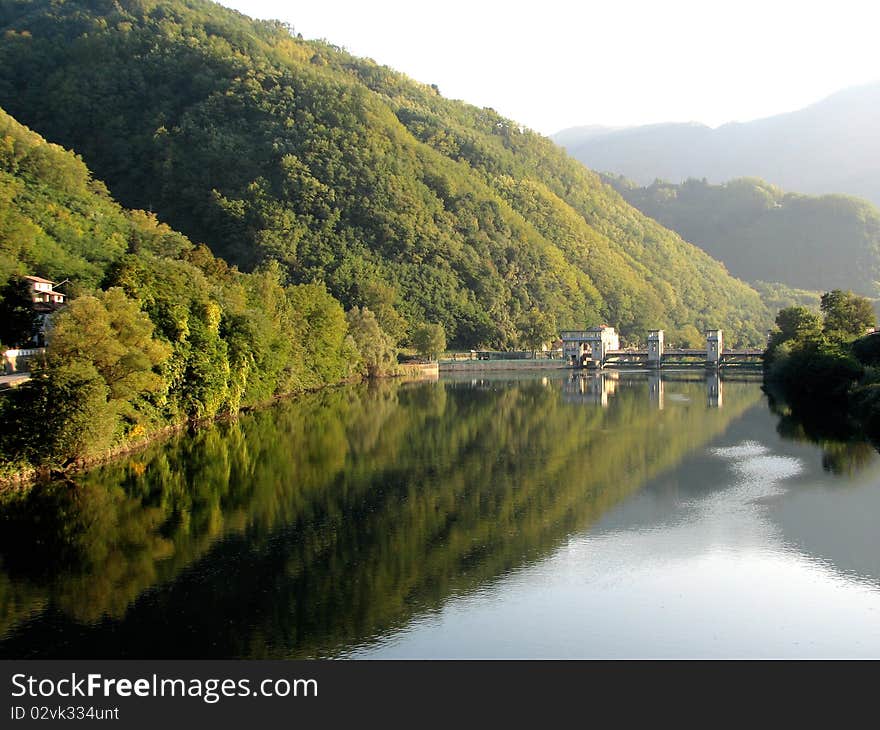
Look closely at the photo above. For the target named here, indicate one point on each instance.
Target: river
(547, 515)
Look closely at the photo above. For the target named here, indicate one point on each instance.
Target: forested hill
(831, 146)
(762, 233)
(265, 146)
(156, 331)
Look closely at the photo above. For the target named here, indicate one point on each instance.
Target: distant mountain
(761, 233)
(579, 135)
(829, 147)
(268, 147)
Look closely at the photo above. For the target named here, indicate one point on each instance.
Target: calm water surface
(548, 515)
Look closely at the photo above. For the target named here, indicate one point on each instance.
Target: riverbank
(832, 386)
(452, 366)
(418, 371)
(24, 478)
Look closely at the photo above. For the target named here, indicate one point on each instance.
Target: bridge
(599, 347)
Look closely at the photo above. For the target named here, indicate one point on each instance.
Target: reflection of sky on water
(754, 565)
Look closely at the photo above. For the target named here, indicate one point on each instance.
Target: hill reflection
(324, 523)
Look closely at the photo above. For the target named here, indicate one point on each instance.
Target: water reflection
(714, 390)
(845, 449)
(767, 562)
(596, 388)
(330, 525)
(600, 387)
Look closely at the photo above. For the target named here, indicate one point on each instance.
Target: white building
(589, 347)
(43, 291)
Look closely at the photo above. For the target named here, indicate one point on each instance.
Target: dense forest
(158, 330)
(270, 148)
(762, 233)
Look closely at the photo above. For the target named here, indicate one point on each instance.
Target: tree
(380, 299)
(62, 414)
(320, 325)
(18, 320)
(536, 329)
(429, 340)
(846, 314)
(689, 336)
(867, 349)
(797, 323)
(110, 332)
(377, 350)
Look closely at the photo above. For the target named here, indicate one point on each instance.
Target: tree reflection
(323, 523)
(845, 449)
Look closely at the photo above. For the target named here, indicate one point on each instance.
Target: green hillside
(269, 147)
(157, 331)
(762, 233)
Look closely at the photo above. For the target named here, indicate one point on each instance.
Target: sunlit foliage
(816, 359)
(157, 331)
(271, 148)
(429, 340)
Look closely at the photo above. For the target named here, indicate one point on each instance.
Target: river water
(544, 515)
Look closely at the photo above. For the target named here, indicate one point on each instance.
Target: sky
(551, 65)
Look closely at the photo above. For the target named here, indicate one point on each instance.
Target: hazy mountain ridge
(268, 147)
(762, 233)
(828, 147)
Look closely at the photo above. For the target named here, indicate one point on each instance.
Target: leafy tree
(112, 333)
(688, 337)
(798, 323)
(381, 299)
(61, 414)
(378, 354)
(797, 328)
(18, 320)
(536, 329)
(429, 340)
(867, 349)
(320, 324)
(846, 314)
(812, 360)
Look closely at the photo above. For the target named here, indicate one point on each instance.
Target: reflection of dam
(601, 386)
(595, 388)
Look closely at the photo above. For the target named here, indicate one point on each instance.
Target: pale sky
(552, 64)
